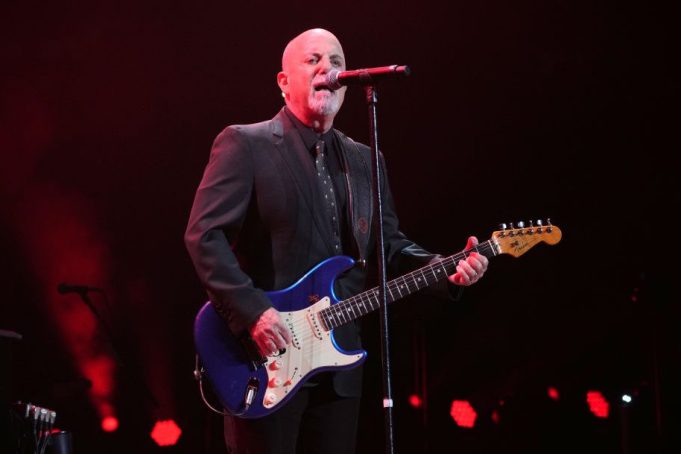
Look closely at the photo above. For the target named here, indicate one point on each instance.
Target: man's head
(306, 61)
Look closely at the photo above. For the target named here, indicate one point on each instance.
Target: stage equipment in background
(32, 426)
(7, 341)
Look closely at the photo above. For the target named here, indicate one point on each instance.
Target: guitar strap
(360, 200)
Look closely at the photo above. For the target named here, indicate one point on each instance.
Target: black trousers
(315, 420)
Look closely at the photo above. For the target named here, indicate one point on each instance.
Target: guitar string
(343, 312)
(414, 281)
(339, 312)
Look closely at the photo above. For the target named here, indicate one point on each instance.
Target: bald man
(260, 221)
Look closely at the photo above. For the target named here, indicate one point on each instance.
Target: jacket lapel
(299, 165)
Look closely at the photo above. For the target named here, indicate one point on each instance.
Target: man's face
(306, 62)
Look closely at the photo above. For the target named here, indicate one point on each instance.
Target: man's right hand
(270, 333)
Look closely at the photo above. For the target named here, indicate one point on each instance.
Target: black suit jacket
(256, 225)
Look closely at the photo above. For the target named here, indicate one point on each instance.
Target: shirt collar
(309, 135)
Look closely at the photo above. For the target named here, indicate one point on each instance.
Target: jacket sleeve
(220, 206)
(403, 255)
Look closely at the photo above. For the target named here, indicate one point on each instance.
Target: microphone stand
(372, 100)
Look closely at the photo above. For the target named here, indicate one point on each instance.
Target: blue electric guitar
(251, 386)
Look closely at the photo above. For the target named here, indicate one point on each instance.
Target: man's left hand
(470, 270)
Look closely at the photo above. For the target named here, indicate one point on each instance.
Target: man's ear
(282, 81)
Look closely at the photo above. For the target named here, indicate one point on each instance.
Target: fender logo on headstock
(519, 247)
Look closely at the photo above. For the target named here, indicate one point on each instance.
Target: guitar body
(268, 383)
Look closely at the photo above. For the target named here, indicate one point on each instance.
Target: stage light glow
(110, 424)
(553, 393)
(166, 433)
(463, 414)
(626, 398)
(598, 404)
(415, 401)
(495, 416)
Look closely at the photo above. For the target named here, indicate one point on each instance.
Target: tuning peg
(531, 223)
(540, 222)
(510, 226)
(550, 226)
(502, 226)
(521, 224)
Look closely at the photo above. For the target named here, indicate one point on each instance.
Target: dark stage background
(515, 110)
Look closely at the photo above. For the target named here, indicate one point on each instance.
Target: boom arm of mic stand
(112, 342)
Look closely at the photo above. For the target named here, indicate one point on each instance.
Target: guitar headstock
(521, 238)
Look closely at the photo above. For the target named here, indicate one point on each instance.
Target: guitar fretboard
(359, 305)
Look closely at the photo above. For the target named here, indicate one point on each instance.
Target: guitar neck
(359, 305)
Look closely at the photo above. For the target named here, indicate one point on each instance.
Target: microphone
(80, 289)
(336, 79)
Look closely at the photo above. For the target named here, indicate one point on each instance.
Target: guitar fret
(413, 277)
(349, 312)
(374, 293)
(333, 318)
(367, 299)
(339, 313)
(430, 276)
(442, 264)
(366, 311)
(424, 276)
(397, 287)
(327, 320)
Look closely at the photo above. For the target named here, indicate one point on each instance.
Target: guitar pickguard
(312, 350)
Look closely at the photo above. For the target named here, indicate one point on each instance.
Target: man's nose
(325, 65)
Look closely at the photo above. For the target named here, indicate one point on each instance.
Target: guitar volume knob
(270, 398)
(275, 365)
(276, 382)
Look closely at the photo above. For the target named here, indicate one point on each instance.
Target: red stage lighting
(166, 433)
(495, 416)
(110, 424)
(553, 393)
(463, 413)
(598, 404)
(415, 401)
